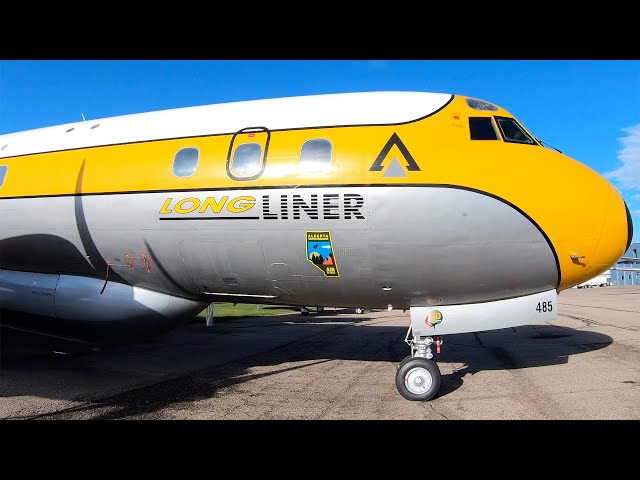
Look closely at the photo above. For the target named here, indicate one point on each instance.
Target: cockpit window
(480, 104)
(482, 128)
(513, 132)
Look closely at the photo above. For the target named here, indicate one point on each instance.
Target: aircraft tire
(418, 379)
(405, 360)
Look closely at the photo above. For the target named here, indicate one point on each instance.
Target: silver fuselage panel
(393, 245)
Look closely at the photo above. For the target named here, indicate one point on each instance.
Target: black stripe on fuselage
(350, 185)
(209, 218)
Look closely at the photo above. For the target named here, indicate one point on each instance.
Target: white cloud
(635, 196)
(327, 246)
(628, 175)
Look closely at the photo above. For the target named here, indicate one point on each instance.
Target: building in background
(627, 270)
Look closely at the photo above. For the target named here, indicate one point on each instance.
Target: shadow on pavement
(199, 374)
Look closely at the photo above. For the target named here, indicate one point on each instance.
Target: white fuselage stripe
(367, 108)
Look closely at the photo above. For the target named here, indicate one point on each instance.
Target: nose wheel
(418, 378)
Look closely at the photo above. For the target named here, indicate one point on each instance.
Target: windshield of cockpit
(495, 127)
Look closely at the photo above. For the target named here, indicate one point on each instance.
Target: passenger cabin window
(482, 128)
(247, 160)
(315, 155)
(512, 132)
(185, 162)
(3, 174)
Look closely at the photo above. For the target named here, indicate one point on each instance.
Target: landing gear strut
(418, 377)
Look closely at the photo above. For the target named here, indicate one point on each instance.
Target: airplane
(441, 204)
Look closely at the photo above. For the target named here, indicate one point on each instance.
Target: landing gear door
(248, 151)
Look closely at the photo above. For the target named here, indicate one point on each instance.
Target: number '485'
(544, 307)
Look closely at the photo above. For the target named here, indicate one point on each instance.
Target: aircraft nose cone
(617, 232)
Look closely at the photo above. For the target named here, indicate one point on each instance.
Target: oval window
(315, 155)
(185, 162)
(3, 173)
(247, 160)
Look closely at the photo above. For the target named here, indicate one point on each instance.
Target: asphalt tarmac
(340, 365)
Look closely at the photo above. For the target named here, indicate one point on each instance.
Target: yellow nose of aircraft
(613, 240)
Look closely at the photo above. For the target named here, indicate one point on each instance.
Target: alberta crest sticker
(320, 252)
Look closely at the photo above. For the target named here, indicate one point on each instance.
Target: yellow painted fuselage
(449, 201)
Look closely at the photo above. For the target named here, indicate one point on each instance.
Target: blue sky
(589, 109)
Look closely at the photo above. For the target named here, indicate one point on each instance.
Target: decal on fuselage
(314, 206)
(434, 318)
(393, 168)
(320, 252)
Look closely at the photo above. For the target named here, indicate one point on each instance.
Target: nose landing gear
(418, 377)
